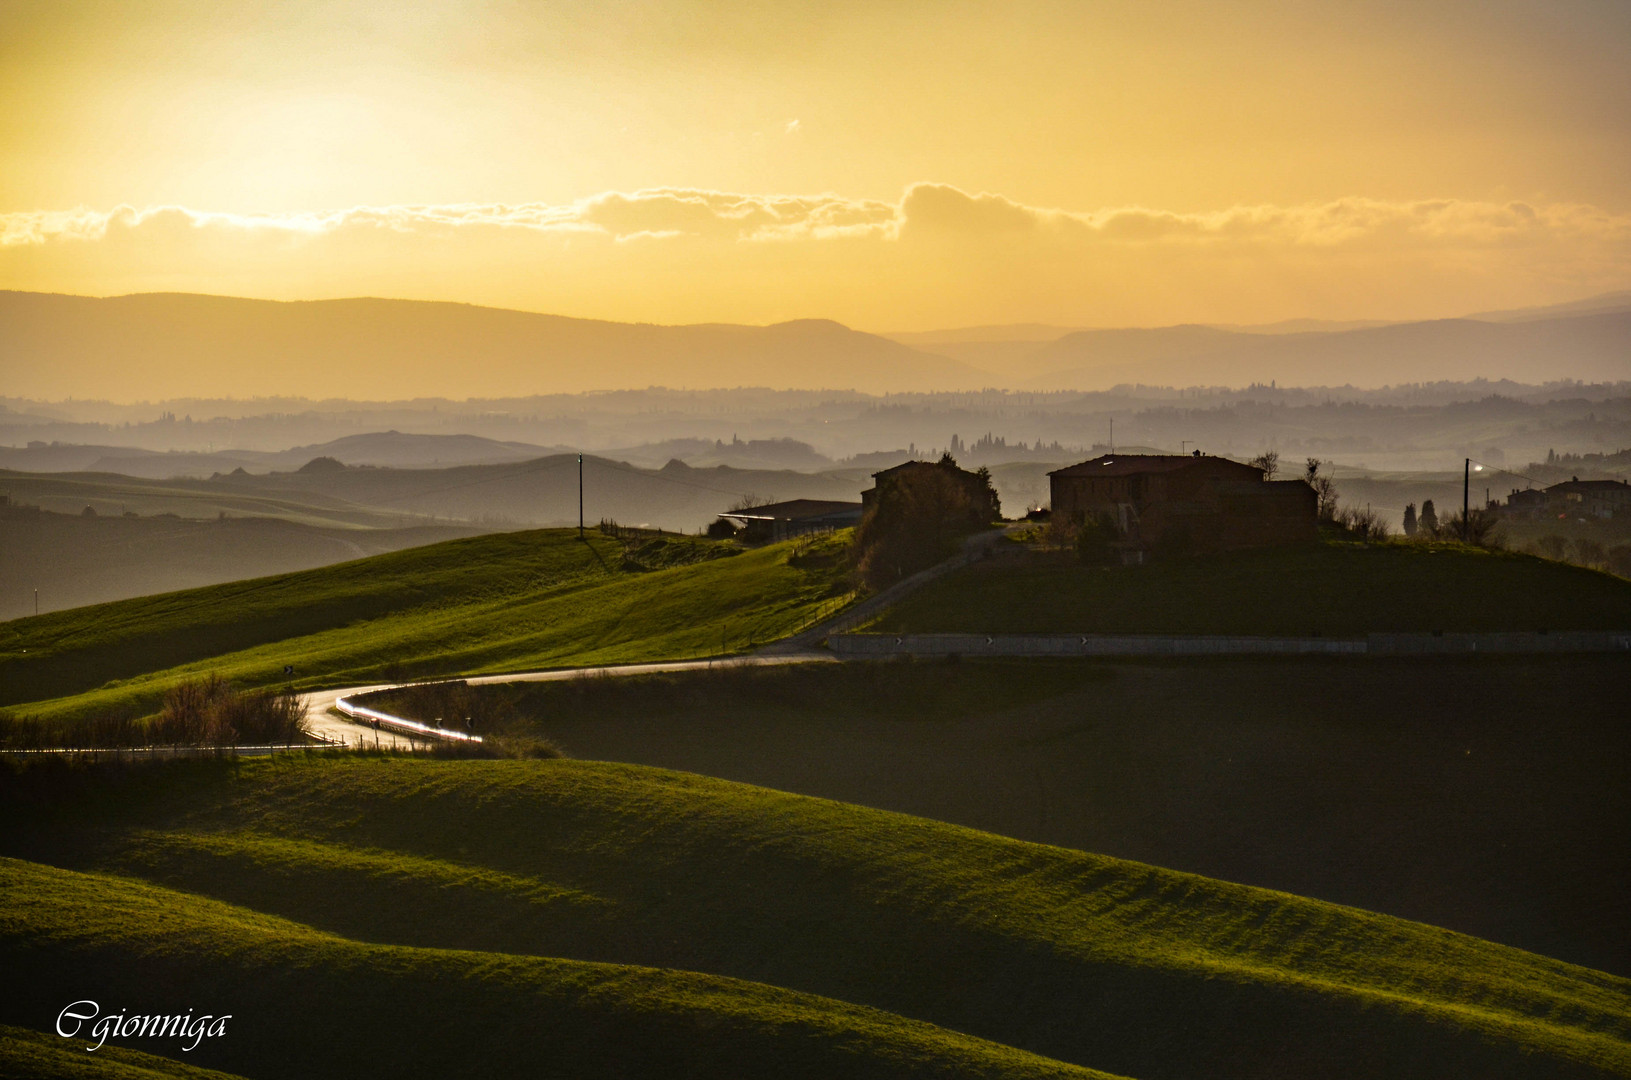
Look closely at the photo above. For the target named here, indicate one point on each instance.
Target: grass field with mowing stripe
(883, 936)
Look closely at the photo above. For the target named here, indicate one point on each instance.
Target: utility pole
(36, 601)
(580, 496)
(1112, 434)
(1466, 481)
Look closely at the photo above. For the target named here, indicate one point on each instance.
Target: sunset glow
(895, 167)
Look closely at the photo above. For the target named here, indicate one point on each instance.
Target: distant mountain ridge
(1595, 346)
(151, 346)
(1583, 340)
(389, 449)
(155, 345)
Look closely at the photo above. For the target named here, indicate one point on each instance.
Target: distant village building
(1196, 503)
(1591, 498)
(1526, 503)
(1571, 498)
(780, 521)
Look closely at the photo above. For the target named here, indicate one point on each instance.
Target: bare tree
(1324, 488)
(1366, 524)
(1478, 529)
(1268, 461)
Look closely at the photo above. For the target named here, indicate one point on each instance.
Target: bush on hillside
(1093, 539)
(1582, 551)
(1364, 524)
(96, 732)
(1477, 528)
(204, 711)
(208, 712)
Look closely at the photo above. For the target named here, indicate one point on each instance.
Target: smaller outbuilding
(795, 517)
(1525, 502)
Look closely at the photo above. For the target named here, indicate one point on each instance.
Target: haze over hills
(82, 538)
(149, 346)
(1591, 346)
(72, 561)
(1606, 302)
(163, 344)
(389, 449)
(1041, 356)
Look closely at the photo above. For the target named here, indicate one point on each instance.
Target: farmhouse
(1194, 503)
(778, 521)
(982, 500)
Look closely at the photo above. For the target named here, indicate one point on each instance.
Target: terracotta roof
(1134, 464)
(919, 463)
(1589, 485)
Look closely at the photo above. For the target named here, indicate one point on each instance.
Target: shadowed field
(1487, 795)
(1334, 589)
(300, 893)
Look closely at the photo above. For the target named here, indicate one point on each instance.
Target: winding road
(338, 729)
(799, 648)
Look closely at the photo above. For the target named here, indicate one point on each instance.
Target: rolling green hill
(111, 494)
(74, 560)
(41, 1056)
(1334, 588)
(307, 1004)
(1483, 794)
(505, 602)
(586, 919)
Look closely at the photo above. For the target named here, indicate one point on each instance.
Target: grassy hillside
(544, 490)
(492, 603)
(309, 1004)
(1334, 589)
(1484, 795)
(111, 494)
(41, 1056)
(538, 491)
(180, 877)
(75, 560)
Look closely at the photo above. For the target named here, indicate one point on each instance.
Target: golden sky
(894, 165)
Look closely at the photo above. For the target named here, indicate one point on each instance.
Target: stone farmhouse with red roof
(1193, 503)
